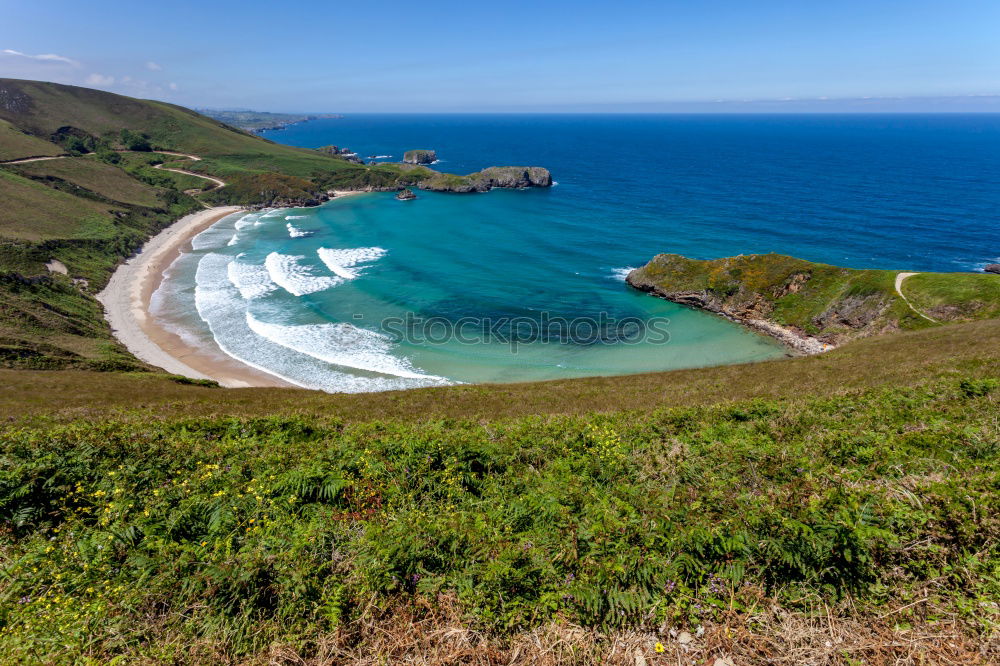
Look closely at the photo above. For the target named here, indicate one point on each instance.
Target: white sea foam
(296, 278)
(296, 217)
(619, 274)
(295, 232)
(246, 221)
(252, 280)
(342, 262)
(340, 344)
(382, 157)
(222, 308)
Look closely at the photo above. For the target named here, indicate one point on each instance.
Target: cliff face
(514, 177)
(808, 306)
(419, 157)
(487, 179)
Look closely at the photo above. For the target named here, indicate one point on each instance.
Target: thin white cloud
(96, 79)
(153, 67)
(42, 57)
(172, 85)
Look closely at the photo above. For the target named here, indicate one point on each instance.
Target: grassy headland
(818, 304)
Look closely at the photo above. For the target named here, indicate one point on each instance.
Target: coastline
(797, 342)
(126, 300)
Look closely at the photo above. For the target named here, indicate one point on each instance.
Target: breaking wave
(343, 262)
(295, 232)
(295, 277)
(340, 344)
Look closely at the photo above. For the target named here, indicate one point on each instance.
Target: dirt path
(218, 183)
(899, 290)
(35, 159)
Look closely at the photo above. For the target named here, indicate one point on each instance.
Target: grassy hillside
(15, 144)
(90, 174)
(832, 303)
(954, 296)
(32, 211)
(227, 540)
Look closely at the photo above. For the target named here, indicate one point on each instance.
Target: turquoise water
(528, 285)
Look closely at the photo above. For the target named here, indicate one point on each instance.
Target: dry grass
(433, 636)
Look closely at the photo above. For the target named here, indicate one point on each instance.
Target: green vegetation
(232, 536)
(419, 156)
(15, 144)
(954, 296)
(97, 177)
(247, 189)
(32, 211)
(832, 303)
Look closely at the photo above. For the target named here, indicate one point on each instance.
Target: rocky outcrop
(420, 157)
(406, 194)
(345, 154)
(749, 314)
(992, 268)
(514, 177)
(807, 306)
(487, 179)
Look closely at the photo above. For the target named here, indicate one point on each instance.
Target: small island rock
(420, 157)
(406, 194)
(992, 268)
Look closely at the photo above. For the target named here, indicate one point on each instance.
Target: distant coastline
(257, 122)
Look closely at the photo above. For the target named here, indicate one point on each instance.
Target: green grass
(954, 296)
(834, 303)
(144, 539)
(104, 179)
(33, 212)
(15, 144)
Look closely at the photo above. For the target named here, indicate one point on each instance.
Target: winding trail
(25, 160)
(899, 290)
(218, 183)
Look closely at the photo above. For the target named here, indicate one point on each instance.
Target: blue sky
(380, 55)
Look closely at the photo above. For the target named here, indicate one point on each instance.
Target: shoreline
(797, 342)
(126, 300)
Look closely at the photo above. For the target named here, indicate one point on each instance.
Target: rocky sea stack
(406, 194)
(992, 268)
(420, 157)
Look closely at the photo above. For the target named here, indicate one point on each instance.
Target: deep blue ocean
(306, 294)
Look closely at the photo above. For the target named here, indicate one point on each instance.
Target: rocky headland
(812, 307)
(513, 177)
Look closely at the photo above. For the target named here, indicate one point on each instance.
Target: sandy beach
(126, 305)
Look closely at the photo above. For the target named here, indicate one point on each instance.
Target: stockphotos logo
(514, 331)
